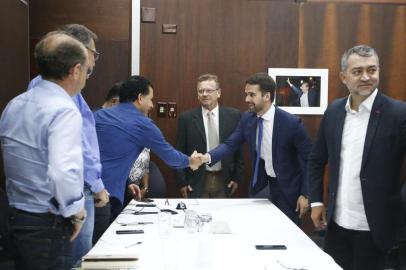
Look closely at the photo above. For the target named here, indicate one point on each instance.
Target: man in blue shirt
(124, 131)
(93, 186)
(40, 133)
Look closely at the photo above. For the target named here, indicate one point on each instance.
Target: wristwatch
(76, 220)
(145, 189)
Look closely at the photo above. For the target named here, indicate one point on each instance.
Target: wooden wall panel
(14, 54)
(109, 19)
(234, 39)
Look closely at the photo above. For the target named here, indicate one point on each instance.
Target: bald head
(57, 53)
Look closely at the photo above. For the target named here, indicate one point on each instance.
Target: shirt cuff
(209, 161)
(316, 204)
(97, 186)
(71, 209)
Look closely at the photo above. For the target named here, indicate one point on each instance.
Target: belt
(214, 172)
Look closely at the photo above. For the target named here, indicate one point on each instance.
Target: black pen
(138, 223)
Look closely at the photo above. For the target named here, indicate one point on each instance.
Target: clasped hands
(197, 159)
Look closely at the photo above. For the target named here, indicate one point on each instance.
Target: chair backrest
(157, 184)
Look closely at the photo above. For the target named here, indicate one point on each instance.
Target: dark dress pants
(353, 250)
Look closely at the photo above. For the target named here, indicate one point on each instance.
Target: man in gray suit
(202, 129)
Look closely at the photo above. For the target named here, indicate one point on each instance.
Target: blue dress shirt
(123, 132)
(40, 133)
(91, 153)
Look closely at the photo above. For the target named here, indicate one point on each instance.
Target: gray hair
(361, 50)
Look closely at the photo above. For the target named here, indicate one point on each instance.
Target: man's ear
(342, 77)
(75, 71)
(219, 93)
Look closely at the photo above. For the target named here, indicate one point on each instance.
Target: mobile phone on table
(270, 247)
(129, 231)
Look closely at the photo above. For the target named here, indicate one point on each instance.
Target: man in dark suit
(306, 96)
(282, 143)
(362, 137)
(195, 128)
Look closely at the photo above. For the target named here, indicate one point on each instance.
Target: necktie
(260, 125)
(213, 138)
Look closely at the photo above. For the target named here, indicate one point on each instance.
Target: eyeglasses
(96, 54)
(207, 91)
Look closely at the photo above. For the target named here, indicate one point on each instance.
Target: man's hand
(134, 191)
(101, 198)
(319, 217)
(232, 186)
(185, 190)
(302, 205)
(195, 161)
(77, 226)
(205, 158)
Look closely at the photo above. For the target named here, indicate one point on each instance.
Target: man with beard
(278, 145)
(363, 139)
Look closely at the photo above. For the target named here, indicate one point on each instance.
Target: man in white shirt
(363, 139)
(40, 133)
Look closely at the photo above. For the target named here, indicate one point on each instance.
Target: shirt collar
(365, 105)
(215, 111)
(270, 113)
(51, 85)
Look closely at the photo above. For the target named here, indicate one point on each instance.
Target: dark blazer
(290, 148)
(383, 154)
(191, 136)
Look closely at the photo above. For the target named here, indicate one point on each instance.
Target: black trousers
(40, 241)
(353, 250)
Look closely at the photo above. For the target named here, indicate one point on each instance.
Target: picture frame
(301, 90)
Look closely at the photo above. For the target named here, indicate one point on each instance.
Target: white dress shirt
(349, 212)
(215, 117)
(304, 100)
(266, 147)
(40, 132)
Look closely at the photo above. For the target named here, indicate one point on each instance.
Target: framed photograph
(300, 90)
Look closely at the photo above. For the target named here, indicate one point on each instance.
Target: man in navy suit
(279, 171)
(362, 137)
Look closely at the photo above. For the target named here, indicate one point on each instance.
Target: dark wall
(236, 38)
(14, 54)
(109, 19)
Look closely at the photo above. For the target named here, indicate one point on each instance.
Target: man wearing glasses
(202, 129)
(93, 186)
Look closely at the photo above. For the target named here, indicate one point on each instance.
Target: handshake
(197, 159)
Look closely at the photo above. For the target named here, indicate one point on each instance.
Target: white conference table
(251, 221)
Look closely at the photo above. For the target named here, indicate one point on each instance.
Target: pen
(138, 223)
(137, 243)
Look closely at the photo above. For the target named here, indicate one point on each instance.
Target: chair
(157, 184)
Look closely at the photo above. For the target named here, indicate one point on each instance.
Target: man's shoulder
(230, 110)
(190, 113)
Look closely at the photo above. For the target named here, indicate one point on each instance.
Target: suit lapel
(222, 125)
(252, 131)
(374, 118)
(275, 133)
(198, 121)
(340, 119)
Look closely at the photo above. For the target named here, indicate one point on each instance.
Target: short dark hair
(133, 87)
(57, 53)
(114, 91)
(265, 82)
(81, 32)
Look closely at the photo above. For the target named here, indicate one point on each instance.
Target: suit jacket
(191, 136)
(290, 148)
(382, 158)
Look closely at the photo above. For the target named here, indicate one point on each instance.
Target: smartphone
(270, 247)
(145, 205)
(129, 231)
